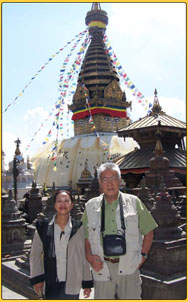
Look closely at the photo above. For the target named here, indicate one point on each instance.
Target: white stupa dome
(74, 152)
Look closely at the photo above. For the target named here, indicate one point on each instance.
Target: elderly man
(115, 264)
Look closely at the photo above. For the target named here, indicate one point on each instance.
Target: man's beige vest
(131, 260)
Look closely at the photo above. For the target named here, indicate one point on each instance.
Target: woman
(57, 260)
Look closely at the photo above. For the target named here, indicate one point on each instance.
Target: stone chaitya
(93, 189)
(13, 228)
(145, 195)
(159, 167)
(35, 202)
(85, 179)
(164, 273)
(25, 173)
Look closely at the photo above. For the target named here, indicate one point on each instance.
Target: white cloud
(152, 36)
(171, 106)
(33, 132)
(37, 124)
(32, 121)
(144, 18)
(36, 114)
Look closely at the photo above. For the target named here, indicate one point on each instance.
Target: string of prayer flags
(64, 83)
(41, 126)
(42, 68)
(124, 78)
(60, 103)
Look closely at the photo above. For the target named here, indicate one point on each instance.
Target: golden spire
(96, 6)
(156, 109)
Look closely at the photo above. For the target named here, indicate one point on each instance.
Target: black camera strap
(103, 215)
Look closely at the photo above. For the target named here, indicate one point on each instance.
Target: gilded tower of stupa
(98, 94)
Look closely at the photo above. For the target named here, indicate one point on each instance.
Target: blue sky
(148, 39)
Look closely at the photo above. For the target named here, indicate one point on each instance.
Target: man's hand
(143, 260)
(95, 262)
(38, 288)
(147, 242)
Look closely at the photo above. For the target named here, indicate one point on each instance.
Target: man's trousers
(119, 287)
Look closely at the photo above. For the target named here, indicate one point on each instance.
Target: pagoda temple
(99, 109)
(146, 132)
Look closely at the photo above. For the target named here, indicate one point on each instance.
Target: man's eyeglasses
(106, 180)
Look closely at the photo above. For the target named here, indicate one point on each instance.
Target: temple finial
(96, 19)
(156, 106)
(156, 101)
(17, 151)
(156, 109)
(96, 6)
(155, 92)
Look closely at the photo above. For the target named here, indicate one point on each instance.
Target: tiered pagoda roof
(138, 161)
(146, 131)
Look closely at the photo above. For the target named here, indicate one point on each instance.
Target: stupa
(24, 169)
(13, 228)
(99, 109)
(164, 273)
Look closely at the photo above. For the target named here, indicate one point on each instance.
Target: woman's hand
(87, 292)
(38, 288)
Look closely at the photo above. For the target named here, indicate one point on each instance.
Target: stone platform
(161, 289)
(17, 279)
(16, 284)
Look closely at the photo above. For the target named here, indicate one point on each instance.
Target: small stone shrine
(78, 209)
(159, 166)
(25, 173)
(13, 228)
(145, 195)
(35, 203)
(93, 189)
(164, 273)
(48, 210)
(45, 208)
(85, 179)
